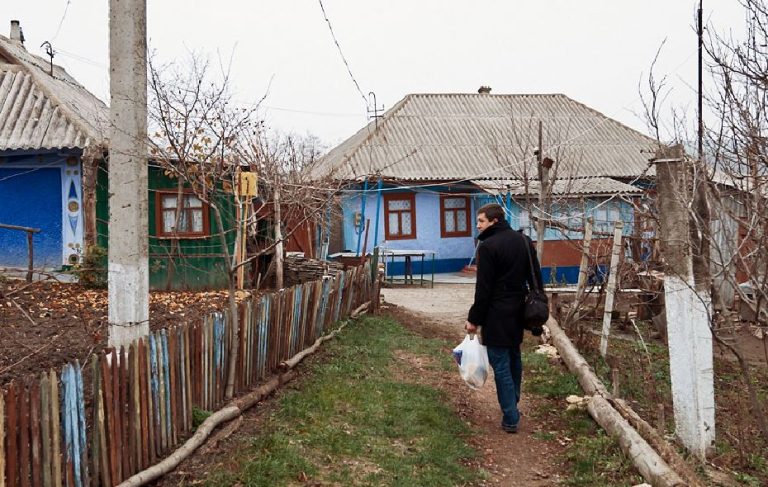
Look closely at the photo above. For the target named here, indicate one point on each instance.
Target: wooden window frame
(468, 210)
(160, 233)
(397, 197)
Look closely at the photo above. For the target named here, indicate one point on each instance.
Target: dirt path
(519, 459)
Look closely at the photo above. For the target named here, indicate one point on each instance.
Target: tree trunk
(232, 302)
(279, 240)
(651, 466)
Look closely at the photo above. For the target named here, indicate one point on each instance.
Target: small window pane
(183, 223)
(197, 221)
(461, 220)
(455, 203)
(394, 227)
(525, 219)
(168, 220)
(192, 201)
(395, 205)
(406, 221)
(449, 222)
(169, 201)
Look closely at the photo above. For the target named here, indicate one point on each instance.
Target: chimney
(16, 33)
(484, 90)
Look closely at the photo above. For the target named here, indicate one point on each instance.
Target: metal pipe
(362, 217)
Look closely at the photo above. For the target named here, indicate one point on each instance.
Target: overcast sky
(594, 51)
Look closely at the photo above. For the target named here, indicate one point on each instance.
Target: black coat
(503, 278)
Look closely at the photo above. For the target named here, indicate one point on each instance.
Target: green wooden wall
(179, 263)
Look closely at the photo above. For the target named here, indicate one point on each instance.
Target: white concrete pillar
(688, 307)
(128, 238)
(690, 364)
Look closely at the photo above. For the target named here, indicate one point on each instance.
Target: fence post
(613, 280)
(30, 256)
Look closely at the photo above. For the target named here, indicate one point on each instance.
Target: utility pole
(279, 264)
(688, 305)
(128, 278)
(543, 195)
(701, 82)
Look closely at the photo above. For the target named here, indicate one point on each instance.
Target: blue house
(48, 124)
(54, 178)
(417, 176)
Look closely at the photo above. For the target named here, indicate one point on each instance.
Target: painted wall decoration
(72, 215)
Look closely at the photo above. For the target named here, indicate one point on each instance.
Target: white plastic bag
(472, 358)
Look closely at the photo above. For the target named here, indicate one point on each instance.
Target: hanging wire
(341, 53)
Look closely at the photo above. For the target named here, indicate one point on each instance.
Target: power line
(61, 22)
(341, 53)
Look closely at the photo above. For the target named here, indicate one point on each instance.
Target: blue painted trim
(378, 210)
(441, 266)
(509, 208)
(570, 275)
(361, 228)
(42, 152)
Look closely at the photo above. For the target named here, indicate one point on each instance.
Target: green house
(190, 257)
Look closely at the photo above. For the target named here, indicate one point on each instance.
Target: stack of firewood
(301, 269)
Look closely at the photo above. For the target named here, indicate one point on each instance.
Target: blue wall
(452, 254)
(31, 197)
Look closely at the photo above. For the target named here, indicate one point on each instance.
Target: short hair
(492, 211)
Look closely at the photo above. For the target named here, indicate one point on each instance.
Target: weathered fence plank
(124, 413)
(2, 440)
(45, 430)
(34, 433)
(140, 398)
(55, 429)
(22, 402)
(11, 472)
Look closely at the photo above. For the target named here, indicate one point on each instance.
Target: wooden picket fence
(100, 423)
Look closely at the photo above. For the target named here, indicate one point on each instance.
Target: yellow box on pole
(249, 184)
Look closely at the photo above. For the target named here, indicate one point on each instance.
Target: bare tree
(730, 218)
(203, 139)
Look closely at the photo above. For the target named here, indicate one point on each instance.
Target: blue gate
(31, 197)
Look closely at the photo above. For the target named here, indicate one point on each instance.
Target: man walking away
(503, 279)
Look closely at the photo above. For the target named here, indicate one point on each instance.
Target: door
(31, 197)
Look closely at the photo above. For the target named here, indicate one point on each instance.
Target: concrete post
(128, 270)
(613, 281)
(688, 307)
(543, 194)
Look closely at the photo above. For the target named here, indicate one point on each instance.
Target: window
(191, 220)
(524, 220)
(400, 216)
(454, 216)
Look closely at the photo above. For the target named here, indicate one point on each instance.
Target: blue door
(31, 197)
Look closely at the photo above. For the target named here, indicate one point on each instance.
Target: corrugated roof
(586, 186)
(40, 111)
(477, 136)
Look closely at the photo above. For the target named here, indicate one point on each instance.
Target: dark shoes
(509, 428)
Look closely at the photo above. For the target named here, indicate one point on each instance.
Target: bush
(92, 271)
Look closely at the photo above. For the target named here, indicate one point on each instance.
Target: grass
(362, 417)
(593, 458)
(645, 382)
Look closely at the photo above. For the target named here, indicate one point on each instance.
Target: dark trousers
(508, 373)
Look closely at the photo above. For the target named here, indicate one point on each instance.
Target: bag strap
(530, 261)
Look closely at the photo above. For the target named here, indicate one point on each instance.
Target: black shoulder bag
(536, 302)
